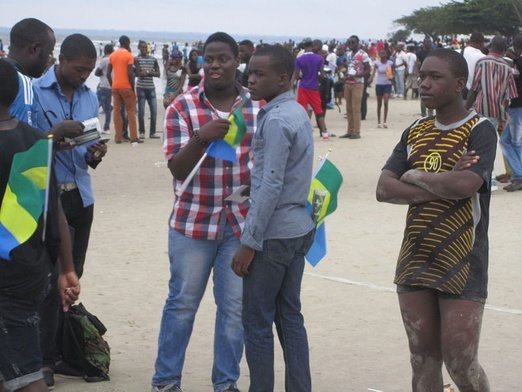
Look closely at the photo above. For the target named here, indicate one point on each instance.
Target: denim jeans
(271, 294)
(399, 81)
(191, 262)
(20, 357)
(511, 142)
(148, 95)
(105, 99)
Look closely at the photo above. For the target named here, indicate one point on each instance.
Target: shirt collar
(243, 95)
(48, 80)
(286, 96)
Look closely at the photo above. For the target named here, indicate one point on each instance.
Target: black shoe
(155, 136)
(137, 141)
(125, 139)
(345, 136)
(354, 136)
(332, 135)
(48, 378)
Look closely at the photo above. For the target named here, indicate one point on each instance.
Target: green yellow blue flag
(25, 197)
(226, 148)
(322, 201)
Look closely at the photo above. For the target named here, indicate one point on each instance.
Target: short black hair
(456, 61)
(124, 40)
(141, 42)
(108, 49)
(249, 44)
(225, 38)
(8, 83)
(476, 36)
(76, 46)
(28, 31)
(281, 58)
(354, 37)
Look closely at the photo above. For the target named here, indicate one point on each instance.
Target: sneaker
(231, 389)
(494, 187)
(125, 139)
(142, 136)
(385, 126)
(48, 377)
(136, 141)
(379, 126)
(155, 136)
(167, 388)
(516, 185)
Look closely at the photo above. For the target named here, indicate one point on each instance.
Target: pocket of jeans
(307, 242)
(280, 250)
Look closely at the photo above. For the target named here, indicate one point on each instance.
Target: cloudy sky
(301, 18)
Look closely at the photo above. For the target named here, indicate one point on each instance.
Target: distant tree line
(487, 16)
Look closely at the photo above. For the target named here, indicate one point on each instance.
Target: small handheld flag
(226, 148)
(322, 201)
(25, 197)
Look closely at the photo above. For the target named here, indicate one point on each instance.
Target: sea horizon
(161, 37)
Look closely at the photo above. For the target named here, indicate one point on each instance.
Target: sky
(292, 18)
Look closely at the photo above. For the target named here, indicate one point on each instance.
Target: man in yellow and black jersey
(442, 168)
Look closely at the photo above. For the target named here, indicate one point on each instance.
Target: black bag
(84, 352)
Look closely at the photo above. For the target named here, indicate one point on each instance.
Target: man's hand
(242, 260)
(67, 128)
(69, 288)
(467, 159)
(213, 130)
(98, 150)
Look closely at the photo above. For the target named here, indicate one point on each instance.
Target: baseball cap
(176, 53)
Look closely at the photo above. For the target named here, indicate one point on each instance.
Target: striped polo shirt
(495, 86)
(147, 63)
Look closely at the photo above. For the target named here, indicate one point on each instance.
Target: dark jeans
(105, 100)
(20, 357)
(271, 294)
(149, 96)
(79, 219)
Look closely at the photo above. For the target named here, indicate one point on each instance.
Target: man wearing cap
(175, 73)
(121, 62)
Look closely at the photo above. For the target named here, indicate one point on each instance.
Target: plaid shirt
(197, 212)
(495, 86)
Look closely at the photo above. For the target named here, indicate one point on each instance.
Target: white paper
(237, 196)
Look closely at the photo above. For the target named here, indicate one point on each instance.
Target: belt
(67, 186)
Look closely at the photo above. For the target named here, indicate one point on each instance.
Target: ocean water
(182, 39)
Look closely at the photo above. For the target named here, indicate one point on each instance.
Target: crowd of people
(442, 168)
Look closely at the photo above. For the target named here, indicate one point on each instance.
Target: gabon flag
(25, 197)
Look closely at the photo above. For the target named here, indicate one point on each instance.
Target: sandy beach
(357, 341)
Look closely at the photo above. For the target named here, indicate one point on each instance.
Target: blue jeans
(271, 294)
(20, 356)
(399, 81)
(191, 262)
(511, 142)
(105, 99)
(148, 95)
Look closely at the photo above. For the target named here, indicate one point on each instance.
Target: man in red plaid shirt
(204, 227)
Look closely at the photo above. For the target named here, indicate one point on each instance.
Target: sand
(357, 341)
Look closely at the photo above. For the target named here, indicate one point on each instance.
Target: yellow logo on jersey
(433, 163)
